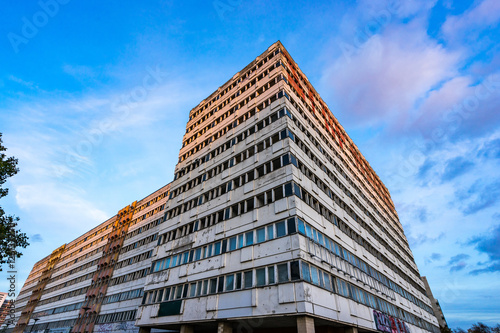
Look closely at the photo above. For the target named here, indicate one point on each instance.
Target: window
(192, 290)
(205, 287)
(178, 292)
(261, 276)
(250, 205)
(280, 229)
(249, 238)
(248, 279)
(278, 193)
(232, 243)
(199, 288)
(270, 234)
(261, 235)
(282, 273)
(342, 288)
(294, 270)
(238, 281)
(309, 231)
(167, 294)
(314, 275)
(260, 171)
(270, 274)
(213, 286)
(260, 200)
(198, 254)
(229, 282)
(302, 228)
(276, 163)
(220, 286)
(306, 275)
(296, 189)
(291, 226)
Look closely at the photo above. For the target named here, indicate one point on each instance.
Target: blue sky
(94, 98)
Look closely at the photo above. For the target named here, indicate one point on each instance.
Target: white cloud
(63, 206)
(383, 80)
(486, 13)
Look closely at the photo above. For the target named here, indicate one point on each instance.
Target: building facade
(436, 307)
(274, 222)
(4, 307)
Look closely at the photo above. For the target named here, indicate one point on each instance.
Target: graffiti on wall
(389, 324)
(125, 327)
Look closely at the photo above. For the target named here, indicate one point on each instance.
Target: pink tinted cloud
(485, 14)
(383, 80)
(460, 106)
(440, 102)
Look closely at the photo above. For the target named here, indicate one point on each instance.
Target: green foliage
(476, 328)
(10, 238)
(479, 328)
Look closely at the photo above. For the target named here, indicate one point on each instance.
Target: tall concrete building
(4, 307)
(274, 222)
(436, 307)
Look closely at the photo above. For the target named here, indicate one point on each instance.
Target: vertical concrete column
(351, 330)
(186, 329)
(224, 327)
(305, 324)
(144, 329)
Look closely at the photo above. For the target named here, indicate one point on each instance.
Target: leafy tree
(458, 330)
(496, 329)
(10, 238)
(479, 328)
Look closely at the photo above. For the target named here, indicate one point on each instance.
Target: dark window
(286, 160)
(282, 273)
(238, 281)
(250, 204)
(294, 270)
(278, 193)
(291, 226)
(260, 200)
(261, 276)
(220, 287)
(260, 171)
(277, 164)
(248, 279)
(213, 286)
(270, 274)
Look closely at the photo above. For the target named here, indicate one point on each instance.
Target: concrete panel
(212, 303)
(246, 254)
(286, 293)
(280, 205)
(235, 300)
